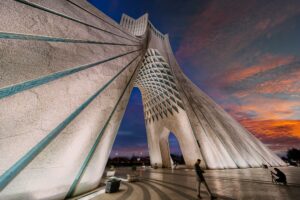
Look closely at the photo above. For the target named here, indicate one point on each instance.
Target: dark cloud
(264, 76)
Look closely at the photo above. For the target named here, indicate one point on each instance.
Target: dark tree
(293, 154)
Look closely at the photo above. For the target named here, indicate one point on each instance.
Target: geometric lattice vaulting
(156, 82)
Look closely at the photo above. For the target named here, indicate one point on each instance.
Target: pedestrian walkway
(179, 184)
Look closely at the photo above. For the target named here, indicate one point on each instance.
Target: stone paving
(179, 184)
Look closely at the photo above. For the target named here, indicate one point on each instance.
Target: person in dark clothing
(279, 176)
(201, 179)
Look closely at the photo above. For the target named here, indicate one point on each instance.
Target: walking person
(201, 179)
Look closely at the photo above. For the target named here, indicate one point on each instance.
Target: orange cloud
(273, 128)
(279, 135)
(264, 108)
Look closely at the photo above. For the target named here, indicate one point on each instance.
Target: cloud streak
(233, 59)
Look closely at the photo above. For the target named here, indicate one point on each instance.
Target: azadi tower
(66, 74)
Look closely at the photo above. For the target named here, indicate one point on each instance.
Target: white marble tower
(66, 74)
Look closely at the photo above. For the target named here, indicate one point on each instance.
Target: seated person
(279, 176)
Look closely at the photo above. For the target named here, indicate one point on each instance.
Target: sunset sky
(245, 54)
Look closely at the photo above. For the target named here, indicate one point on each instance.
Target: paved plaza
(179, 184)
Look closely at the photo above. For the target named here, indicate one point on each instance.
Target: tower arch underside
(164, 111)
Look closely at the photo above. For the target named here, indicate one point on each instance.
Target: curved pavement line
(161, 194)
(171, 183)
(146, 193)
(183, 194)
(127, 193)
(189, 188)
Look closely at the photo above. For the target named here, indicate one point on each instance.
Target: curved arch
(165, 148)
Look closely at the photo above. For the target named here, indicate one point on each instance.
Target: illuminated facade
(66, 74)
